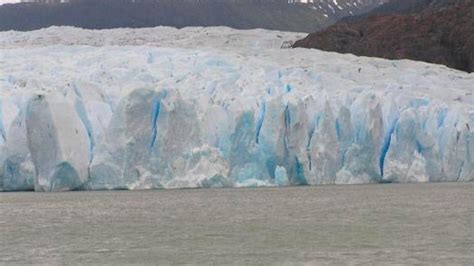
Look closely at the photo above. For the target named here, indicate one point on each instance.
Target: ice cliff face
(221, 115)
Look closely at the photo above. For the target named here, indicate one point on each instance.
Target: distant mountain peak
(285, 15)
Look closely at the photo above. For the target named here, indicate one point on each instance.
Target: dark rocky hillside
(404, 7)
(435, 31)
(240, 14)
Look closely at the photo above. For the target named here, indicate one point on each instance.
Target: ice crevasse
(141, 117)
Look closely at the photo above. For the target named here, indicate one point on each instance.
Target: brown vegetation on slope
(443, 36)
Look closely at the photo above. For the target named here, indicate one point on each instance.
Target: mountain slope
(404, 7)
(240, 14)
(432, 31)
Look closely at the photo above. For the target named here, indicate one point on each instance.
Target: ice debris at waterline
(115, 116)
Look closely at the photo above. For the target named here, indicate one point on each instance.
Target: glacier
(217, 107)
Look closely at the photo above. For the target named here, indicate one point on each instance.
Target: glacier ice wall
(141, 117)
(58, 144)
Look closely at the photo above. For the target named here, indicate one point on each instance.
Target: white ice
(216, 107)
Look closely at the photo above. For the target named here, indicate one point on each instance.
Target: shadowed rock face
(442, 33)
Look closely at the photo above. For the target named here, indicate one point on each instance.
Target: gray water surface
(389, 224)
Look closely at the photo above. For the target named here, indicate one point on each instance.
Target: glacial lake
(367, 224)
